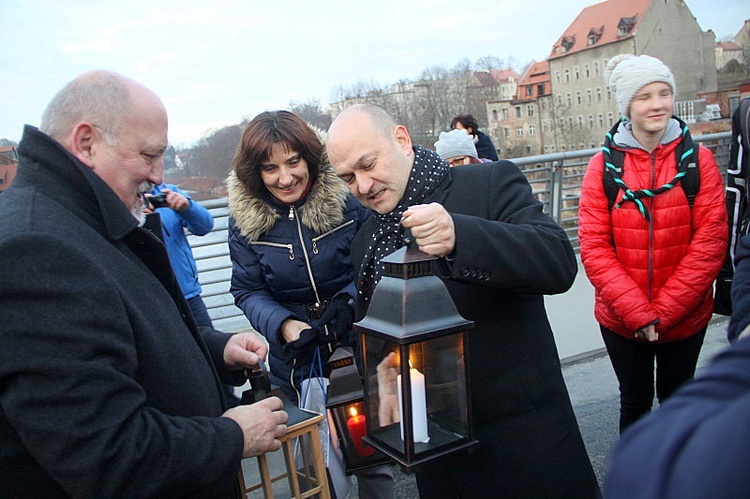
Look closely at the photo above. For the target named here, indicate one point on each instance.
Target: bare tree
(212, 155)
(488, 63)
(312, 113)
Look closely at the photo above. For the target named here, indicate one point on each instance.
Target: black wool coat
(508, 254)
(107, 387)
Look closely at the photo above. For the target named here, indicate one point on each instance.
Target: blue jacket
(285, 258)
(695, 444)
(198, 221)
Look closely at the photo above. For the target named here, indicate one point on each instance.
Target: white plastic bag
(313, 398)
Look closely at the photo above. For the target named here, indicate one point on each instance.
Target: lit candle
(418, 406)
(357, 430)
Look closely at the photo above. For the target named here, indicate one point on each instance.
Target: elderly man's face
(135, 157)
(375, 167)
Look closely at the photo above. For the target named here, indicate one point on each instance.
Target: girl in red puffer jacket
(651, 257)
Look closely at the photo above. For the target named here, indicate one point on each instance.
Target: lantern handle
(410, 240)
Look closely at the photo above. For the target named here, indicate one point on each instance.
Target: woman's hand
(291, 328)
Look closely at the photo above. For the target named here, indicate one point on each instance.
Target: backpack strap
(687, 172)
(687, 158)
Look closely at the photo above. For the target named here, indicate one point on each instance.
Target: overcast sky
(215, 63)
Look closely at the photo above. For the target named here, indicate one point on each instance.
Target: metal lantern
(346, 405)
(415, 363)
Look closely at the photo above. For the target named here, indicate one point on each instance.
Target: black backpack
(738, 205)
(687, 172)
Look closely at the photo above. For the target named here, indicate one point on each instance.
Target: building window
(540, 89)
(552, 148)
(532, 130)
(570, 121)
(591, 120)
(530, 109)
(518, 111)
(570, 99)
(494, 114)
(529, 90)
(557, 76)
(598, 94)
(506, 132)
(610, 120)
(562, 123)
(528, 149)
(588, 96)
(577, 73)
(544, 126)
(596, 68)
(580, 121)
(578, 97)
(568, 43)
(609, 94)
(600, 119)
(519, 131)
(625, 26)
(567, 75)
(586, 71)
(559, 99)
(505, 113)
(546, 149)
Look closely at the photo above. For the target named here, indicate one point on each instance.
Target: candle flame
(353, 411)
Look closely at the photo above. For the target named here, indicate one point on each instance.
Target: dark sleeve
(695, 444)
(740, 290)
(508, 242)
(485, 148)
(251, 292)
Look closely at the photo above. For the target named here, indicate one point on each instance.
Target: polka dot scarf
(426, 174)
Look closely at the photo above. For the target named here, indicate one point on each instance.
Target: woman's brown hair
(258, 138)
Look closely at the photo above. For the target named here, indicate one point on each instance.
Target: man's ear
(403, 139)
(82, 142)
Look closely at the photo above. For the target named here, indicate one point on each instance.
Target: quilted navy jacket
(285, 258)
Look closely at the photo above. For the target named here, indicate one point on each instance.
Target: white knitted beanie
(455, 143)
(627, 74)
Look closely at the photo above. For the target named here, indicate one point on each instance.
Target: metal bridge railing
(555, 179)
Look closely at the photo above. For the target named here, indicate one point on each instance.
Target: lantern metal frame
(344, 392)
(410, 305)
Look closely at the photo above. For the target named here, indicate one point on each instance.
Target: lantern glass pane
(432, 372)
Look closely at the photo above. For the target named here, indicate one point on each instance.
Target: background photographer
(176, 211)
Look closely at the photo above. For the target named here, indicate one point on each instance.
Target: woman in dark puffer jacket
(292, 221)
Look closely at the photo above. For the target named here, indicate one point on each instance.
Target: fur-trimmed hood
(322, 210)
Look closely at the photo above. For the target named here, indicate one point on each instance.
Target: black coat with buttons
(508, 254)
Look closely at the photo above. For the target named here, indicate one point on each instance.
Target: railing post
(556, 174)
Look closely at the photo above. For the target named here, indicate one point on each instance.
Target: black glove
(303, 349)
(339, 317)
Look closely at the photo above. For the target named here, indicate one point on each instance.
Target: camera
(158, 201)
